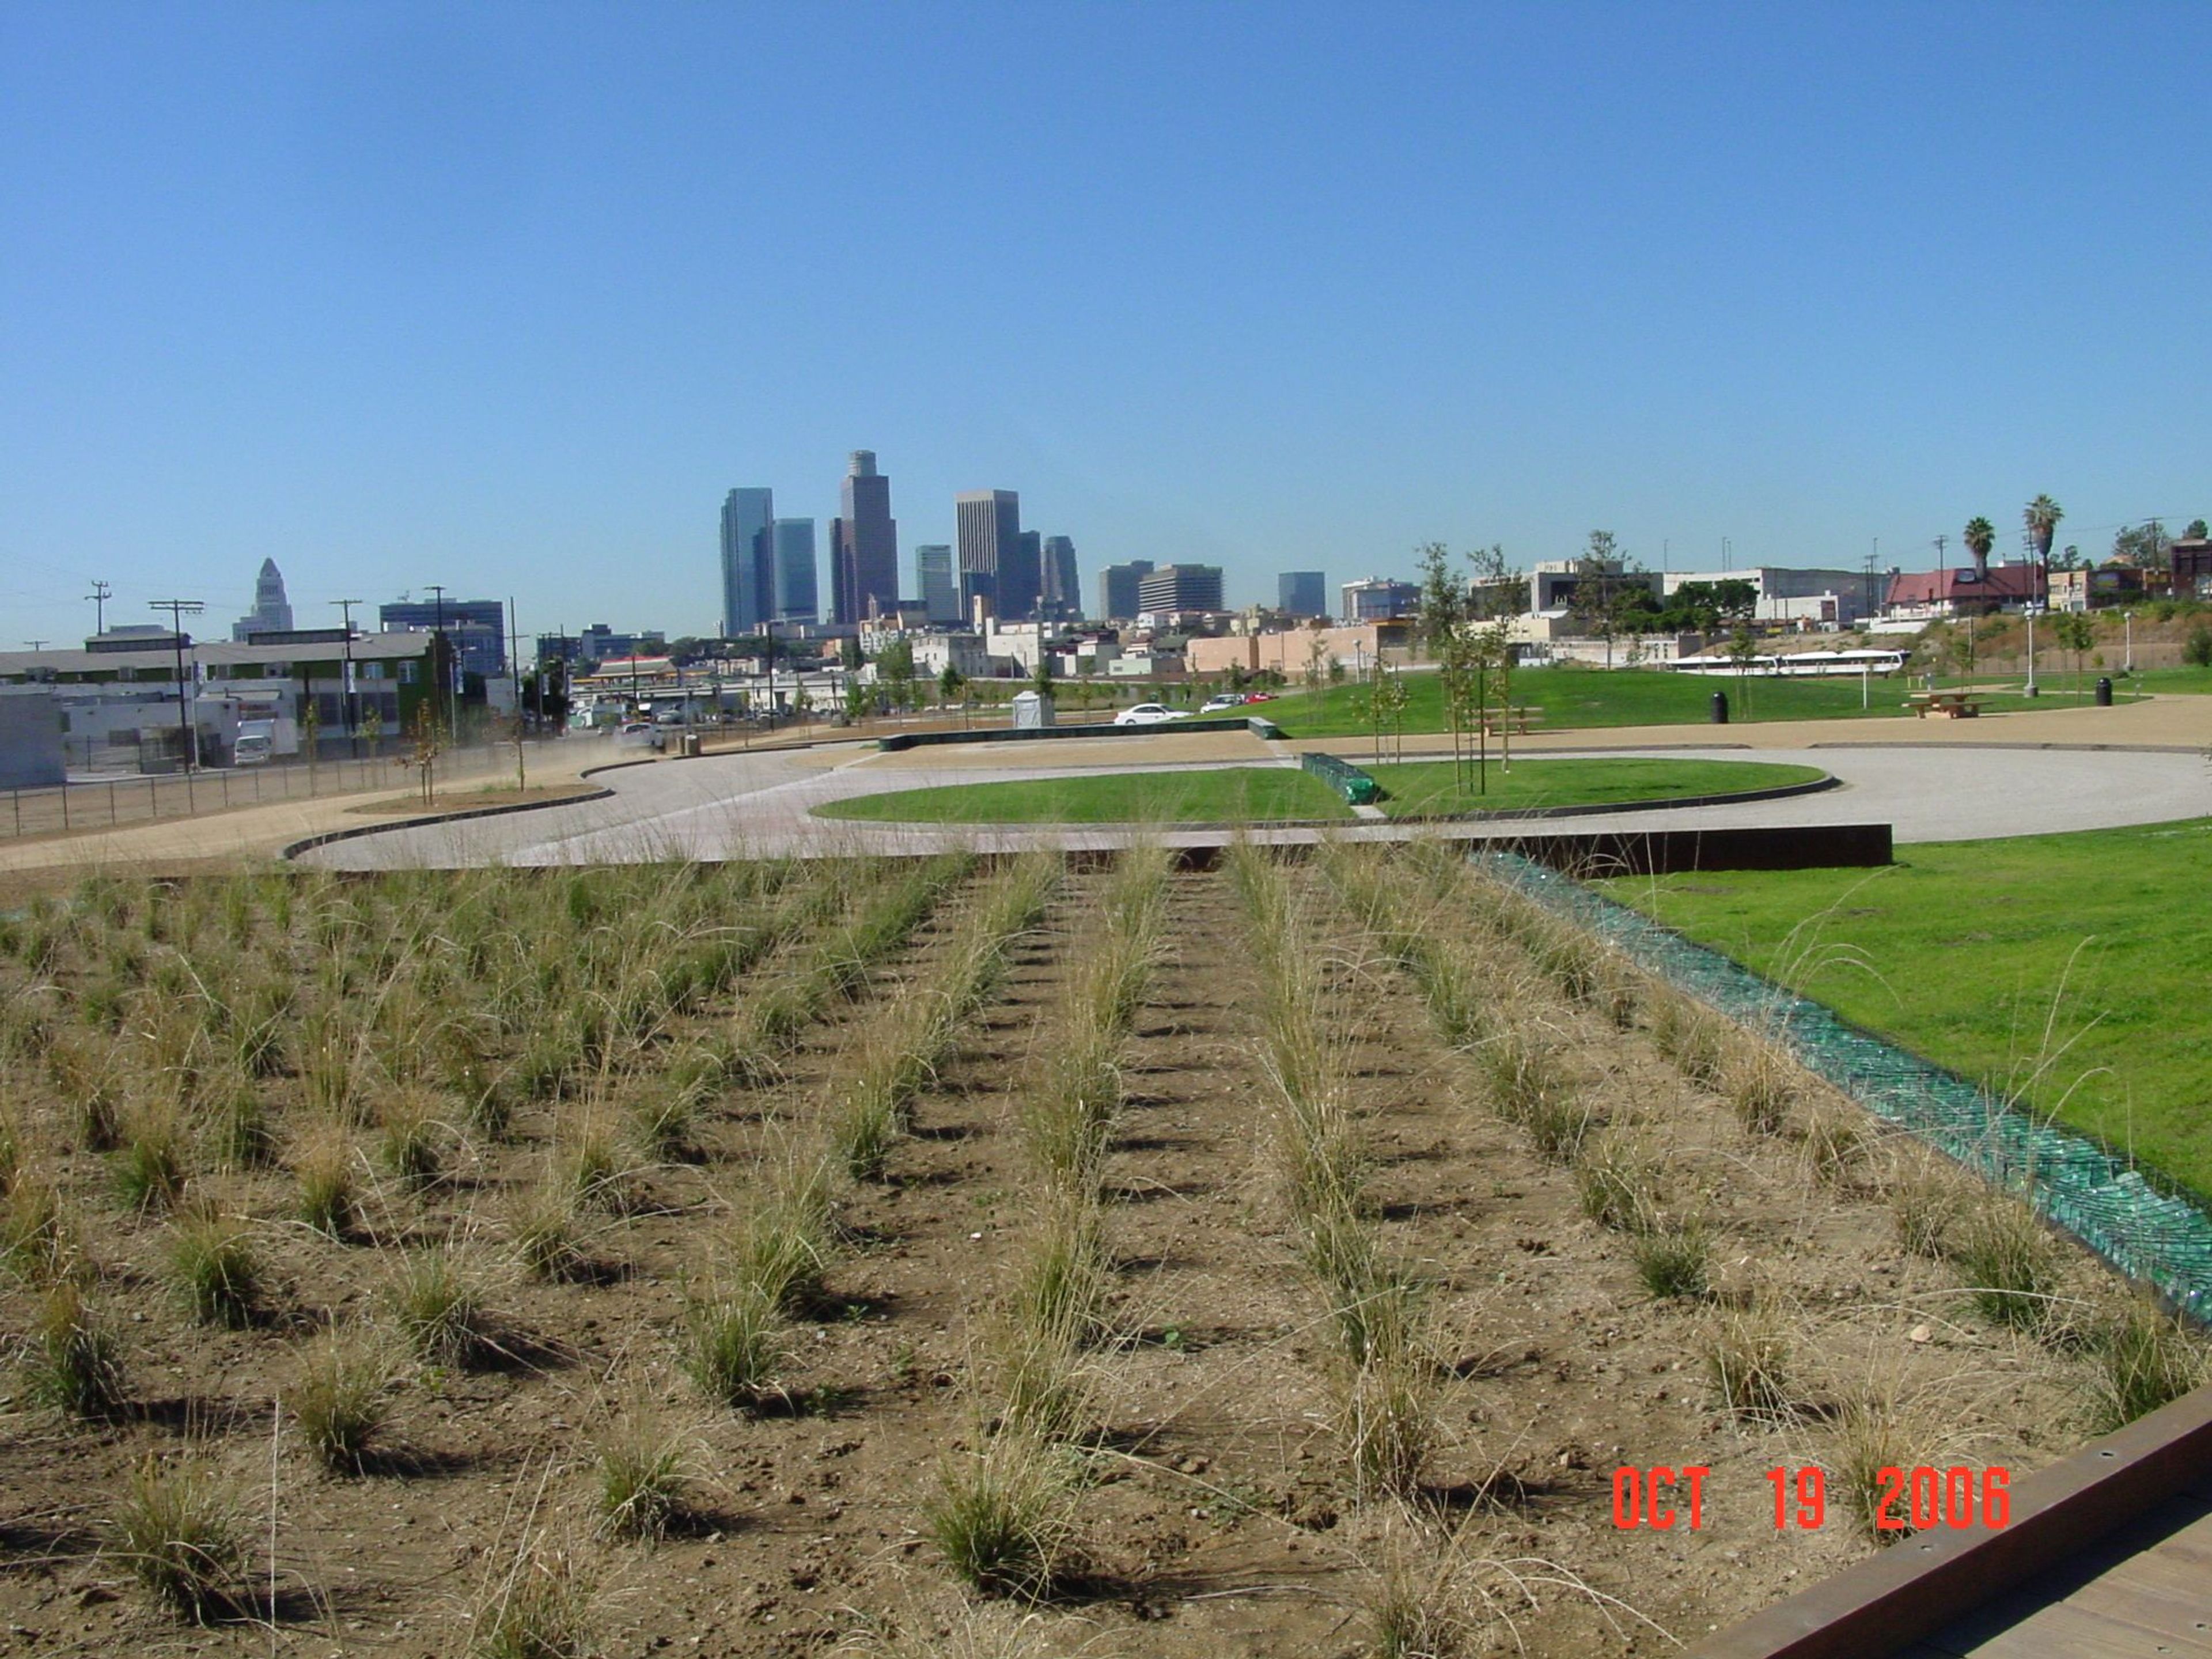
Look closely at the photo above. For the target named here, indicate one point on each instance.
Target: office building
(796, 597)
(1062, 597)
(1302, 593)
(1379, 598)
(477, 628)
(1024, 579)
(1117, 590)
(1173, 587)
(272, 612)
(864, 544)
(988, 530)
(748, 561)
(940, 594)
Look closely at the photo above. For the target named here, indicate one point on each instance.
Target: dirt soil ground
(1215, 1517)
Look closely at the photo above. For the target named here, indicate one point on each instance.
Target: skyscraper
(987, 526)
(864, 544)
(1180, 587)
(796, 600)
(272, 612)
(1021, 584)
(1063, 593)
(1302, 593)
(748, 561)
(932, 569)
(1117, 589)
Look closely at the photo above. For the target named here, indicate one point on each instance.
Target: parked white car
(1149, 713)
(1221, 700)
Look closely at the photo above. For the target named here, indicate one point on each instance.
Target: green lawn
(2067, 967)
(1230, 795)
(1575, 696)
(1417, 787)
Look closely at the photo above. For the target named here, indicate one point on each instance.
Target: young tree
(952, 684)
(895, 666)
(2077, 633)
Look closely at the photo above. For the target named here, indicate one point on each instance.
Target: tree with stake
(2076, 632)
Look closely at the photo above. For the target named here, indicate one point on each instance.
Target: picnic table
(1951, 705)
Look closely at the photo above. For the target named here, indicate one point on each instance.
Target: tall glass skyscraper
(796, 597)
(748, 561)
(1302, 593)
(1062, 597)
(987, 523)
(864, 544)
(940, 594)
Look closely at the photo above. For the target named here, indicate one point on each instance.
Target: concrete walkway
(760, 805)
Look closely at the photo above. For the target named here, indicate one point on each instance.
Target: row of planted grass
(1002, 1514)
(383, 1042)
(2012, 1269)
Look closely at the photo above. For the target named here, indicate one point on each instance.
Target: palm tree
(2041, 516)
(1981, 536)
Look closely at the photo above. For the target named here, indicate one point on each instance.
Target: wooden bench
(1951, 705)
(1516, 720)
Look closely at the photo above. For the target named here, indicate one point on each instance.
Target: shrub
(343, 1399)
(2196, 649)
(179, 1530)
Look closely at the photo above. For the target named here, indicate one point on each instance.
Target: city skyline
(1540, 272)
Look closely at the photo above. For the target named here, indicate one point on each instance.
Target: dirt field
(1210, 1505)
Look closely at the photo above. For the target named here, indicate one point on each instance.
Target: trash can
(691, 743)
(1720, 708)
(2104, 691)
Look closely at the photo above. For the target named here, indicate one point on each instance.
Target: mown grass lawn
(1229, 795)
(1417, 788)
(2069, 969)
(1576, 697)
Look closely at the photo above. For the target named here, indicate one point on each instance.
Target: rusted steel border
(1918, 1586)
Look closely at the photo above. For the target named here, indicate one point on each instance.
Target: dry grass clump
(2011, 1264)
(2145, 1359)
(1675, 1262)
(1689, 1033)
(1065, 1277)
(212, 1262)
(180, 1529)
(323, 1166)
(435, 1298)
(1928, 1199)
(1620, 1181)
(236, 1128)
(39, 1241)
(1870, 1437)
(644, 1476)
(781, 1244)
(1003, 1517)
(543, 1607)
(736, 1345)
(545, 1225)
(153, 1163)
(343, 1398)
(412, 1135)
(1747, 1361)
(72, 1361)
(1836, 1150)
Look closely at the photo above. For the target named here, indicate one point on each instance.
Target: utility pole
(352, 697)
(36, 645)
(453, 711)
(188, 737)
(99, 596)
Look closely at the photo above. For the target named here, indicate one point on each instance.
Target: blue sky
(506, 297)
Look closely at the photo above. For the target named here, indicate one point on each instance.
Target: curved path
(739, 805)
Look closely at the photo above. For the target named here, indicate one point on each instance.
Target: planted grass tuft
(181, 1531)
(2010, 1262)
(736, 1345)
(541, 1609)
(643, 1473)
(1002, 1517)
(435, 1299)
(2146, 1358)
(72, 1361)
(212, 1262)
(343, 1398)
(1747, 1361)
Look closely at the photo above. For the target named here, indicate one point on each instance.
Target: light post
(2031, 609)
(2128, 627)
(352, 701)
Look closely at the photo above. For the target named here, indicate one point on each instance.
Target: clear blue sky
(506, 297)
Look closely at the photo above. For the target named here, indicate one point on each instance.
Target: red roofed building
(1969, 591)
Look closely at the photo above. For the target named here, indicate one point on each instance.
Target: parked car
(1223, 700)
(1259, 696)
(1149, 713)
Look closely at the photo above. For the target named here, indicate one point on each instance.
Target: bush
(2197, 650)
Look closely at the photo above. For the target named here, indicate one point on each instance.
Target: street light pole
(2031, 690)
(2128, 626)
(438, 633)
